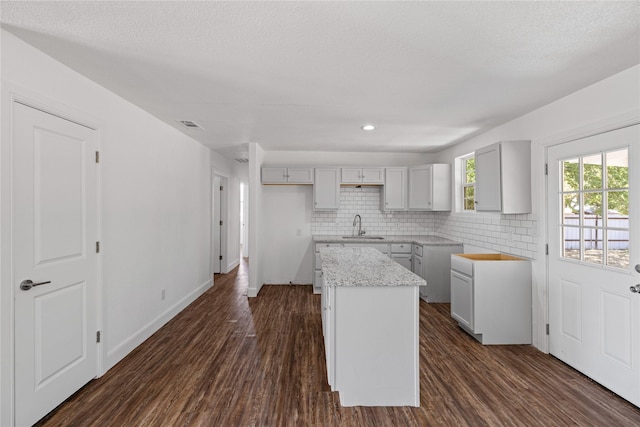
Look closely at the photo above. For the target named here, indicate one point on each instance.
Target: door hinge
(220, 257)
(98, 336)
(547, 329)
(221, 188)
(97, 247)
(221, 222)
(546, 249)
(546, 169)
(97, 157)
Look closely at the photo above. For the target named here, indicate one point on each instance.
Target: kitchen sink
(364, 237)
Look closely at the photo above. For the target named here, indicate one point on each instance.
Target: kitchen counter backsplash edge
(429, 240)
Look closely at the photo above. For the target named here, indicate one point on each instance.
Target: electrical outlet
(162, 294)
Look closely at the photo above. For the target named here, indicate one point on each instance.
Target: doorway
(593, 190)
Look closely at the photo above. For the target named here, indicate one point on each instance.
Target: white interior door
(594, 257)
(54, 239)
(217, 226)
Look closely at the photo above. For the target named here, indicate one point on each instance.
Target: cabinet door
(462, 299)
(395, 189)
(274, 175)
(317, 279)
(488, 179)
(326, 189)
(300, 175)
(328, 333)
(417, 265)
(373, 175)
(420, 194)
(351, 176)
(402, 259)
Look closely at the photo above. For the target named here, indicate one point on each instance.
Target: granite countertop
(418, 240)
(364, 267)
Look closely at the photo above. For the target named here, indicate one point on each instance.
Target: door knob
(25, 285)
(638, 268)
(635, 289)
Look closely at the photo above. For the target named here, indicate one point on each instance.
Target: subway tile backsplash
(365, 202)
(512, 234)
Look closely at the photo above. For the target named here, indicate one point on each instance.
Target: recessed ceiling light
(368, 127)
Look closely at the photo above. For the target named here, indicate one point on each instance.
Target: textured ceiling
(307, 75)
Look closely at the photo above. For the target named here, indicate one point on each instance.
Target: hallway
(229, 361)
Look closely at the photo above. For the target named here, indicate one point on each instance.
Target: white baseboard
(233, 264)
(127, 346)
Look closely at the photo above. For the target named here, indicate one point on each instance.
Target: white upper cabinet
(285, 175)
(394, 194)
(362, 176)
(326, 189)
(503, 178)
(430, 187)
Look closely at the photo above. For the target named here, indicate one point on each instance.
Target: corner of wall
(256, 158)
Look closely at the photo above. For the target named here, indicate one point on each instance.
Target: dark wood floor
(229, 361)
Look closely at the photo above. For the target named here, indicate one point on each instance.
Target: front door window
(595, 208)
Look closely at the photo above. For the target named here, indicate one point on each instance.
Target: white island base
(370, 321)
(376, 349)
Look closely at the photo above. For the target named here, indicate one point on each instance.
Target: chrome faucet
(358, 219)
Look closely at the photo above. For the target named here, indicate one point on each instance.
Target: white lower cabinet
(401, 253)
(327, 331)
(436, 270)
(372, 349)
(491, 297)
(462, 299)
(317, 264)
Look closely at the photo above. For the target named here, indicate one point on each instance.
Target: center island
(370, 321)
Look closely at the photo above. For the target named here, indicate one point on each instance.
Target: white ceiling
(307, 75)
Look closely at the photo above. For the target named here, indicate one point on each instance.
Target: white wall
(155, 206)
(592, 109)
(257, 252)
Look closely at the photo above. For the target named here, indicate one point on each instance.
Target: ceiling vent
(242, 160)
(190, 124)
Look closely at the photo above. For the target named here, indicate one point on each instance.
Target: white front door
(594, 257)
(54, 246)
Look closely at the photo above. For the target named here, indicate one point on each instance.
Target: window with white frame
(468, 181)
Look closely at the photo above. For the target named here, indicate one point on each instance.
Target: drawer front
(328, 245)
(462, 265)
(417, 249)
(401, 248)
